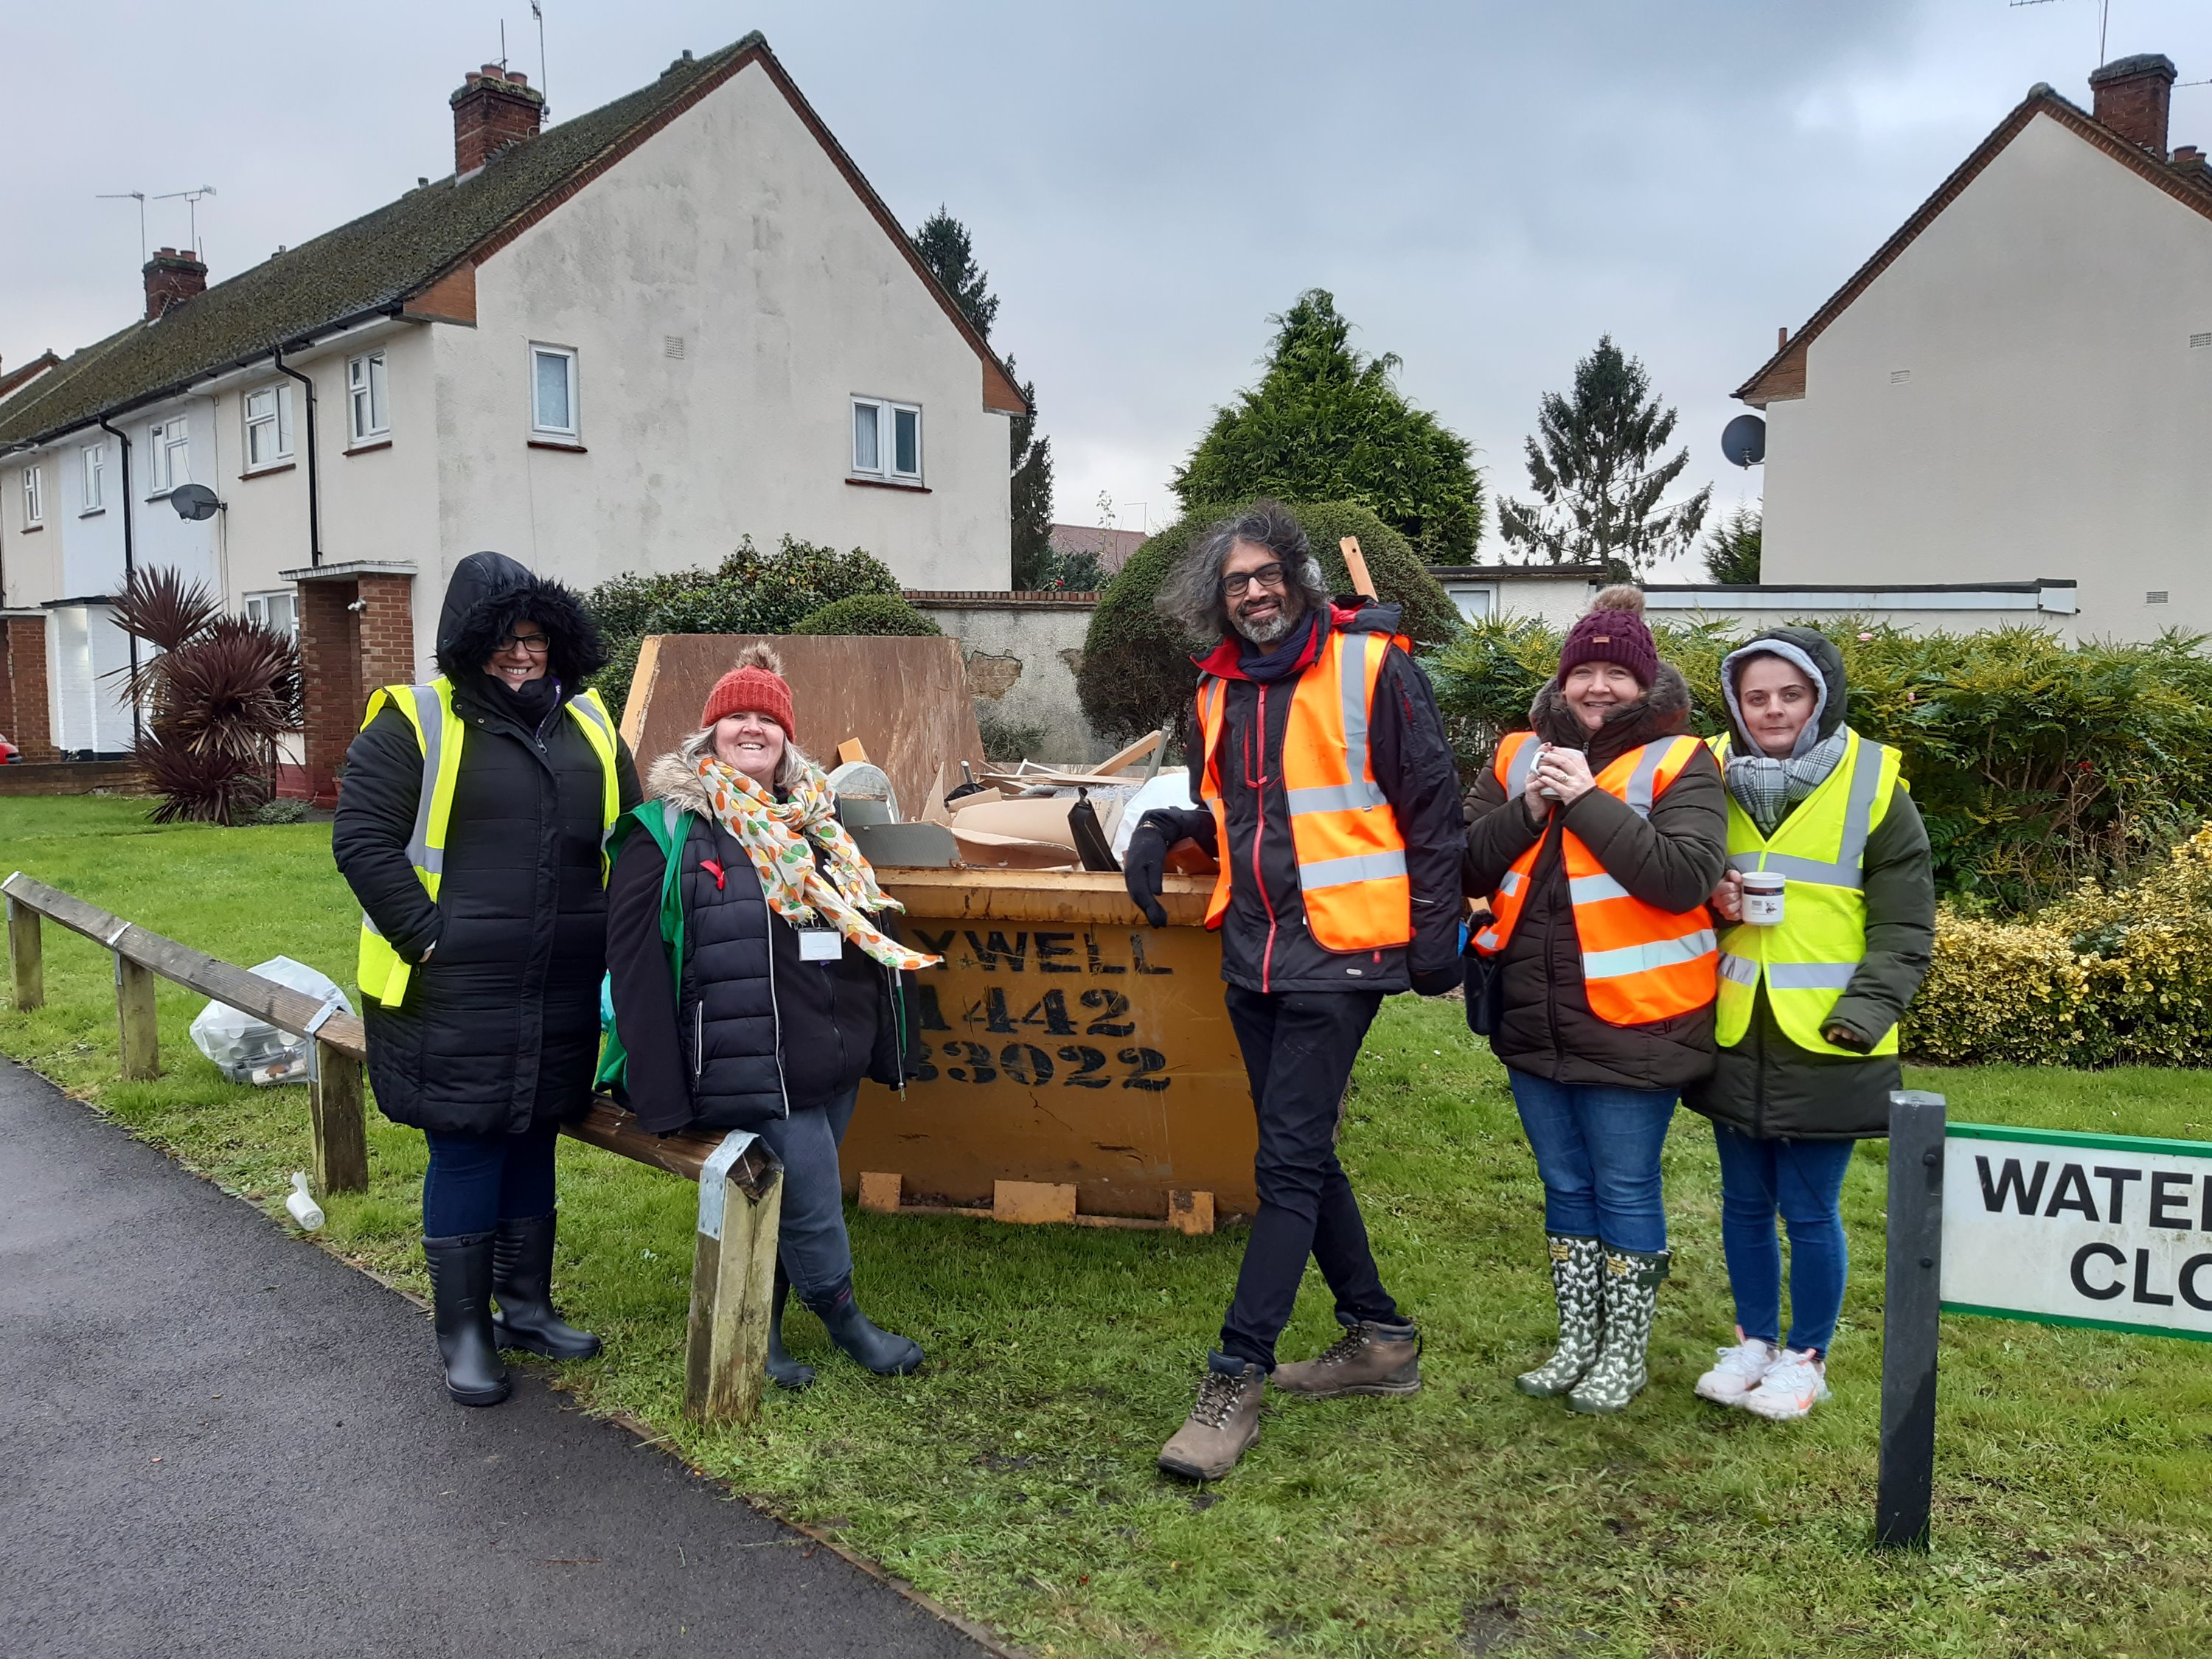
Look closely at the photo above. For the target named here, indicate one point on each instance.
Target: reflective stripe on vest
(380, 971)
(1639, 963)
(1807, 962)
(1351, 854)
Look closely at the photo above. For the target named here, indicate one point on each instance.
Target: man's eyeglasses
(1236, 583)
(536, 644)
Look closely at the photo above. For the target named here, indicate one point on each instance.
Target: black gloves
(1436, 982)
(1143, 866)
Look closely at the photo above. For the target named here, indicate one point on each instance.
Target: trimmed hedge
(2106, 977)
(867, 613)
(1136, 673)
(2038, 765)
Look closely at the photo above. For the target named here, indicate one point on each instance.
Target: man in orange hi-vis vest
(1330, 798)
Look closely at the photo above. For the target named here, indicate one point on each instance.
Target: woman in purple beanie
(1596, 837)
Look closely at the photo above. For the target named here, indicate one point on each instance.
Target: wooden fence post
(26, 955)
(141, 1039)
(334, 1107)
(732, 1274)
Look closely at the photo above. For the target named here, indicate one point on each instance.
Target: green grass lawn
(1013, 1477)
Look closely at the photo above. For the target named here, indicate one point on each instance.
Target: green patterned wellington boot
(1631, 1297)
(1582, 1316)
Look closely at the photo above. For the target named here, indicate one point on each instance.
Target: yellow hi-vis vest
(429, 710)
(1820, 851)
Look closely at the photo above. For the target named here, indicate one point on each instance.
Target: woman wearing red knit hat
(1597, 837)
(752, 987)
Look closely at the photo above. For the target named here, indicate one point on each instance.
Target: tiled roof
(2187, 181)
(375, 264)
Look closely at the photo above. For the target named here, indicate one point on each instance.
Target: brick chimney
(2131, 98)
(496, 109)
(172, 278)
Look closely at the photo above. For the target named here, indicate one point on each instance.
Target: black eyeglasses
(536, 644)
(1237, 583)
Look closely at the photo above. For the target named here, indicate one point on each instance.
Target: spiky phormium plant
(216, 697)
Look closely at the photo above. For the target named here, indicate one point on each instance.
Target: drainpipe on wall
(130, 569)
(314, 501)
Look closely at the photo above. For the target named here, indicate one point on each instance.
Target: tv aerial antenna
(191, 199)
(2104, 19)
(139, 197)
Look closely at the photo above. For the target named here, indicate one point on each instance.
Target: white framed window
(94, 459)
(279, 610)
(887, 440)
(34, 496)
(268, 427)
(367, 414)
(553, 391)
(169, 454)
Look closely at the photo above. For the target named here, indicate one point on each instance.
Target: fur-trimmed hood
(1662, 714)
(671, 778)
(488, 593)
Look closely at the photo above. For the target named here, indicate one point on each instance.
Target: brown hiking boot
(1221, 1426)
(1368, 1358)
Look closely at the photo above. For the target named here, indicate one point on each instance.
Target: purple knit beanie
(1613, 631)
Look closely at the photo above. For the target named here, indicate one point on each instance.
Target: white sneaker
(1792, 1387)
(1737, 1370)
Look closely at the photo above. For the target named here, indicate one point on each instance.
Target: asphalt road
(215, 1439)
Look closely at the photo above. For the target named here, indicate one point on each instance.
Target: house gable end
(1783, 376)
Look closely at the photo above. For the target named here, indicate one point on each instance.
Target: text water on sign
(2098, 1230)
(1018, 1027)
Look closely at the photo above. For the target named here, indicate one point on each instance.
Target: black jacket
(499, 1028)
(1766, 1086)
(1265, 945)
(754, 1032)
(1672, 860)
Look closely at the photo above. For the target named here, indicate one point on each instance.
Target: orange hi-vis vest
(1352, 857)
(1640, 963)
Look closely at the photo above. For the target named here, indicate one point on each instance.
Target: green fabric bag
(668, 825)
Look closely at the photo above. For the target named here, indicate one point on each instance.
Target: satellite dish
(1744, 441)
(194, 501)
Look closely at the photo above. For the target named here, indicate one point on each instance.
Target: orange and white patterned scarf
(775, 835)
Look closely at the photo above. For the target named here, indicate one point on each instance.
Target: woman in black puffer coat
(768, 1026)
(492, 1043)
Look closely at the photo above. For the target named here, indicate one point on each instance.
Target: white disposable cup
(1762, 898)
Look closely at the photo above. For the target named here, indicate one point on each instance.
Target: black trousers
(1298, 1050)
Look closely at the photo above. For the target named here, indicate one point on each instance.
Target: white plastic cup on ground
(300, 1203)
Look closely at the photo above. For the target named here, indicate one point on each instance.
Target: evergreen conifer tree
(1592, 462)
(1731, 547)
(950, 253)
(1326, 423)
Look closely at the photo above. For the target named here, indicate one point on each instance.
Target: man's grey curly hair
(1191, 596)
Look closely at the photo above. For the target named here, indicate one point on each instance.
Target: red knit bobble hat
(756, 684)
(1613, 631)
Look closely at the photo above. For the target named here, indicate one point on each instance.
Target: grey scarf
(1768, 788)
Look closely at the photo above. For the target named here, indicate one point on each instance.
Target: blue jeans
(476, 1182)
(1597, 1149)
(1804, 1181)
(811, 1243)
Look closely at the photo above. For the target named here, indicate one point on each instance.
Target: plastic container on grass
(250, 1050)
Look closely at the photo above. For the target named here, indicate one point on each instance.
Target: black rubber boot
(522, 1281)
(879, 1351)
(460, 1296)
(782, 1370)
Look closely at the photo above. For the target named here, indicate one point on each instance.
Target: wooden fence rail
(741, 1184)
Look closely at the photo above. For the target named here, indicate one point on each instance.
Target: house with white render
(617, 344)
(2006, 409)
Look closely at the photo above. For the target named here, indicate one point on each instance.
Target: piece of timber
(239, 987)
(26, 957)
(1355, 564)
(1075, 896)
(608, 1128)
(336, 1112)
(1136, 751)
(138, 1030)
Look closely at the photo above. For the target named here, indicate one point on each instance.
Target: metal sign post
(1912, 1310)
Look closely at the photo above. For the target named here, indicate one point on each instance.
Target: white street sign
(2067, 1229)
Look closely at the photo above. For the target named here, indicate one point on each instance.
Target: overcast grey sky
(1485, 186)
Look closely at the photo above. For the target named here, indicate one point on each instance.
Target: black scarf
(528, 705)
(1287, 656)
